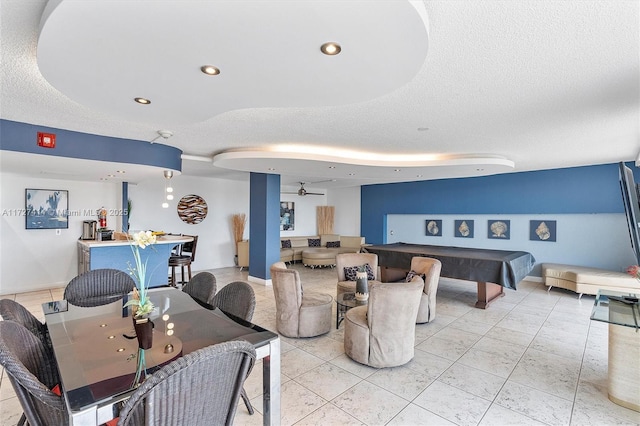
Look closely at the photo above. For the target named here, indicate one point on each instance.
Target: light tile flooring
(531, 358)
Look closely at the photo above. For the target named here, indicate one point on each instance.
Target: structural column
(264, 225)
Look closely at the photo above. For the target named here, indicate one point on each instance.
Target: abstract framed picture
(542, 230)
(434, 227)
(46, 208)
(287, 216)
(463, 228)
(499, 229)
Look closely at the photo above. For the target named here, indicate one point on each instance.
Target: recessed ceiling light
(332, 167)
(142, 101)
(120, 171)
(396, 170)
(352, 174)
(331, 48)
(418, 175)
(111, 176)
(210, 70)
(423, 129)
(271, 169)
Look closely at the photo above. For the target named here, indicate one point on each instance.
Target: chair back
(236, 298)
(344, 260)
(202, 287)
(430, 268)
(199, 388)
(14, 311)
(188, 248)
(32, 373)
(391, 316)
(287, 290)
(98, 287)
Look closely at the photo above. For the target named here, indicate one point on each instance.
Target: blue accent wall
(21, 137)
(590, 189)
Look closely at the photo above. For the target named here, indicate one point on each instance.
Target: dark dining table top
(96, 348)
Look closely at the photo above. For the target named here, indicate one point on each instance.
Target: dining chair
(199, 388)
(11, 310)
(237, 298)
(98, 287)
(33, 375)
(201, 287)
(184, 256)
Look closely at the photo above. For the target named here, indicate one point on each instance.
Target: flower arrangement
(634, 271)
(140, 301)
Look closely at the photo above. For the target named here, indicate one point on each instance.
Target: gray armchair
(354, 259)
(430, 269)
(298, 314)
(382, 333)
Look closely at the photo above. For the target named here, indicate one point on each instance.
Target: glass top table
(96, 349)
(617, 308)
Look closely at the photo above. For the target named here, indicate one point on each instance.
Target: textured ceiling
(543, 84)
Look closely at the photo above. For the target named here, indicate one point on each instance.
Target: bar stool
(184, 256)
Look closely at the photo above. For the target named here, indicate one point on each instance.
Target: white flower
(143, 239)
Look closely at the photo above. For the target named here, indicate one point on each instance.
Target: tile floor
(532, 358)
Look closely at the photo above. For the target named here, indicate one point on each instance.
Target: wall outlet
(58, 231)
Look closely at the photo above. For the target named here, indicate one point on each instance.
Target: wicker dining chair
(238, 299)
(33, 374)
(201, 287)
(199, 388)
(98, 287)
(11, 310)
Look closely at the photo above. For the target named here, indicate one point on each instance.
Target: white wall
(347, 204)
(215, 237)
(38, 258)
(603, 239)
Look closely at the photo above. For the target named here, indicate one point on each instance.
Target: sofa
(585, 280)
(298, 248)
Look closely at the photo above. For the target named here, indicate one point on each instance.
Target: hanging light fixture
(168, 190)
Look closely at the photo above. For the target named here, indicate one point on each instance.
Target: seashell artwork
(542, 231)
(499, 229)
(434, 228)
(464, 229)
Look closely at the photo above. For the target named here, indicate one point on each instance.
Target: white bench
(584, 280)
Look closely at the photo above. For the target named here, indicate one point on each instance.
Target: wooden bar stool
(184, 257)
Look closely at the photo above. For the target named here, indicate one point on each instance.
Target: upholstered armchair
(382, 333)
(298, 314)
(349, 260)
(429, 269)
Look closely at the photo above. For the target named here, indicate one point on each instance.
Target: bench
(585, 280)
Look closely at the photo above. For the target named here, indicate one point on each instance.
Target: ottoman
(319, 257)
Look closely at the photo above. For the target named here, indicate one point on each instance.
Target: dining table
(96, 350)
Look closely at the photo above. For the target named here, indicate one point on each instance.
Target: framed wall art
(192, 209)
(434, 227)
(287, 216)
(47, 208)
(542, 230)
(499, 229)
(463, 228)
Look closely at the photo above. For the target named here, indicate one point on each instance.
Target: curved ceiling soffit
(103, 54)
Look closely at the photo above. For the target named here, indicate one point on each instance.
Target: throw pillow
(333, 244)
(410, 276)
(313, 242)
(351, 271)
(286, 243)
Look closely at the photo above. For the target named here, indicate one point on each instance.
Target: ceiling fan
(302, 192)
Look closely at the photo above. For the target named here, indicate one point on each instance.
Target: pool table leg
(488, 292)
